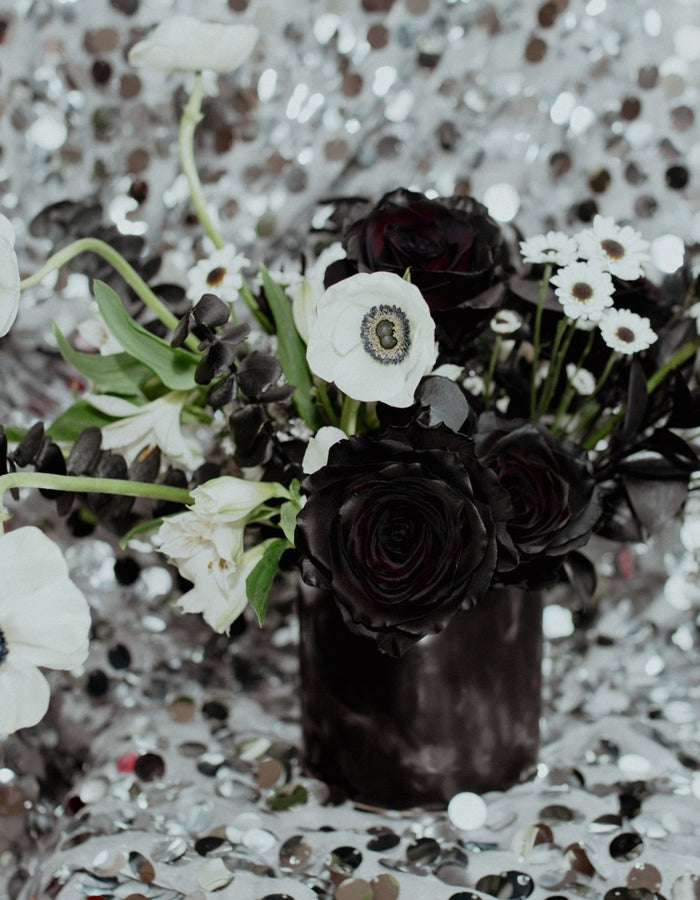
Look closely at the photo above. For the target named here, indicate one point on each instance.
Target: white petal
(7, 230)
(9, 285)
(316, 455)
(24, 696)
(114, 406)
(233, 498)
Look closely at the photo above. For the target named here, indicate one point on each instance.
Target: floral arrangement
(420, 414)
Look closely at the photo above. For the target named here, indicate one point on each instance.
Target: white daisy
(506, 321)
(554, 247)
(44, 621)
(183, 44)
(583, 290)
(581, 380)
(374, 337)
(618, 250)
(626, 332)
(220, 273)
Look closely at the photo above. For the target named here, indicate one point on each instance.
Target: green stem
(322, 393)
(541, 407)
(544, 284)
(592, 410)
(191, 116)
(492, 368)
(558, 360)
(120, 265)
(84, 484)
(348, 417)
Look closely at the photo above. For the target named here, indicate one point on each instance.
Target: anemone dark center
(216, 276)
(386, 334)
(626, 335)
(582, 291)
(612, 249)
(3, 647)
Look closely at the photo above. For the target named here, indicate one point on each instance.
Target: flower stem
(546, 275)
(84, 484)
(348, 417)
(120, 265)
(561, 348)
(592, 409)
(325, 400)
(488, 381)
(191, 116)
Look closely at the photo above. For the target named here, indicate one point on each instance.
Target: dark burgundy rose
(555, 498)
(454, 249)
(403, 537)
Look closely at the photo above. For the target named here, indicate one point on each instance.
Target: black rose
(555, 498)
(454, 249)
(403, 537)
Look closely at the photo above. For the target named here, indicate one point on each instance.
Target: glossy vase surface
(458, 712)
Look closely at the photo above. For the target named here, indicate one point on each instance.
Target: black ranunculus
(555, 498)
(403, 537)
(454, 249)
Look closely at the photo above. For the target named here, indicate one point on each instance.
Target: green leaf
(260, 580)
(287, 797)
(288, 519)
(291, 350)
(175, 367)
(117, 373)
(70, 424)
(139, 529)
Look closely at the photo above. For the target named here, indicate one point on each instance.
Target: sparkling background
(547, 113)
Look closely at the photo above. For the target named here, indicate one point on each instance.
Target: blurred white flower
(44, 621)
(220, 273)
(449, 370)
(626, 332)
(555, 247)
(581, 380)
(583, 290)
(184, 44)
(157, 422)
(306, 294)
(374, 337)
(618, 250)
(506, 321)
(316, 455)
(9, 276)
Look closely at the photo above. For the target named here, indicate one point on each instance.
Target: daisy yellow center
(216, 276)
(612, 249)
(386, 334)
(3, 647)
(582, 291)
(626, 335)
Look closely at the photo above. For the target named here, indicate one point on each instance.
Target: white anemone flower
(9, 276)
(618, 250)
(44, 621)
(581, 380)
(555, 247)
(210, 555)
(157, 422)
(220, 273)
(184, 44)
(583, 290)
(626, 332)
(316, 455)
(306, 294)
(374, 337)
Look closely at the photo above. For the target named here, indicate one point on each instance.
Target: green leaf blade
(117, 373)
(260, 580)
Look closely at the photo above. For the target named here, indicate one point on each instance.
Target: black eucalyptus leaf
(249, 426)
(217, 358)
(223, 392)
(235, 334)
(211, 311)
(581, 575)
(281, 394)
(51, 462)
(182, 329)
(146, 466)
(258, 372)
(204, 473)
(636, 403)
(85, 452)
(30, 447)
(3, 451)
(109, 465)
(172, 478)
(444, 402)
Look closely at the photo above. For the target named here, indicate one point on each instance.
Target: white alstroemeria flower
(506, 321)
(232, 499)
(157, 422)
(211, 556)
(9, 276)
(555, 247)
(583, 290)
(94, 332)
(626, 332)
(44, 621)
(220, 273)
(581, 380)
(374, 337)
(316, 455)
(307, 293)
(184, 44)
(618, 250)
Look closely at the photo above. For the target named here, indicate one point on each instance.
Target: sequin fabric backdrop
(176, 749)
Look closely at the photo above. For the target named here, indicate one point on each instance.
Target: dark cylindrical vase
(458, 712)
